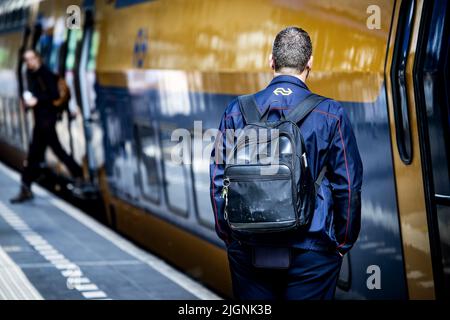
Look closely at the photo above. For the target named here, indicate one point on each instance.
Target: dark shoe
(82, 189)
(25, 194)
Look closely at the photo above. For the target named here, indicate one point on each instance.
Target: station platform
(51, 250)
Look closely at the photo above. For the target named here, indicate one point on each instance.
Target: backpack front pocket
(260, 202)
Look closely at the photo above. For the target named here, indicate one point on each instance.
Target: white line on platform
(94, 294)
(14, 285)
(50, 253)
(154, 262)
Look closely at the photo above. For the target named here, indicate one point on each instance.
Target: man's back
(328, 138)
(309, 258)
(43, 85)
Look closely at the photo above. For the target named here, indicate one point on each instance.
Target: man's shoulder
(45, 70)
(233, 107)
(330, 107)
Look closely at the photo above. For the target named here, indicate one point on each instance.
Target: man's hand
(31, 102)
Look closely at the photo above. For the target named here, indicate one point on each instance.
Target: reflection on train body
(140, 69)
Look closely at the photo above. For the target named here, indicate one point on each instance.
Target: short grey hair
(292, 49)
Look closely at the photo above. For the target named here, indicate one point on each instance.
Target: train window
(22, 14)
(58, 52)
(16, 18)
(90, 70)
(8, 121)
(73, 37)
(12, 120)
(2, 118)
(175, 174)
(4, 21)
(44, 46)
(93, 51)
(29, 125)
(7, 20)
(148, 158)
(23, 126)
(200, 170)
(19, 123)
(125, 3)
(15, 117)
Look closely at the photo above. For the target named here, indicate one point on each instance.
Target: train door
(432, 89)
(418, 95)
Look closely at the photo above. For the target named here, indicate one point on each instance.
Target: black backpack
(268, 186)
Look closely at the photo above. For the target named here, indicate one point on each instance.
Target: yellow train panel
(221, 37)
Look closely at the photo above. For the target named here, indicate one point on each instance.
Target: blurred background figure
(42, 93)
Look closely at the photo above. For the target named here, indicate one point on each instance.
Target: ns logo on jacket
(282, 91)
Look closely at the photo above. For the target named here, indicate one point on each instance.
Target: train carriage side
(163, 65)
(139, 70)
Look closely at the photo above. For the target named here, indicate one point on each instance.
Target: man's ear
(310, 63)
(271, 62)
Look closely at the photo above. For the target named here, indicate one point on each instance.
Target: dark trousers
(312, 275)
(43, 137)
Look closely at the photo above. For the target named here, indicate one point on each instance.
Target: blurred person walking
(43, 97)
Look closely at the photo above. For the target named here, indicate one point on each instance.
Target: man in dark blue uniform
(316, 254)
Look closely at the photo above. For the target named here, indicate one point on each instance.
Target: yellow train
(139, 69)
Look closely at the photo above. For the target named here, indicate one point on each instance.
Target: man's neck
(36, 69)
(302, 76)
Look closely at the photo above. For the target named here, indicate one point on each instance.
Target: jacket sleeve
(346, 180)
(217, 166)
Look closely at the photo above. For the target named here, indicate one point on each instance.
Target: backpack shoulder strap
(319, 179)
(249, 109)
(305, 107)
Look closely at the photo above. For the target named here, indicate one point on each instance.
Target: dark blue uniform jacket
(329, 142)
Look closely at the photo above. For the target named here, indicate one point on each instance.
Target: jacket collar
(289, 79)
